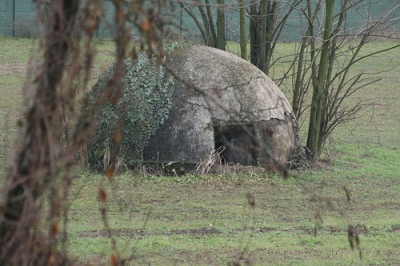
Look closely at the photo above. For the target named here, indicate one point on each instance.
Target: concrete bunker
(214, 99)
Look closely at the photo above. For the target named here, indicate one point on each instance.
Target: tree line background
(18, 19)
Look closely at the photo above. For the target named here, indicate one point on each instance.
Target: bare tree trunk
(190, 12)
(213, 34)
(263, 14)
(254, 33)
(210, 24)
(221, 25)
(302, 83)
(35, 162)
(320, 91)
(299, 89)
(243, 39)
(272, 18)
(265, 29)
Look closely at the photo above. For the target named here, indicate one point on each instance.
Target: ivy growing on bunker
(143, 106)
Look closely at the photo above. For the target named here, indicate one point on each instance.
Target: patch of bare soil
(200, 231)
(141, 232)
(10, 69)
(212, 231)
(394, 229)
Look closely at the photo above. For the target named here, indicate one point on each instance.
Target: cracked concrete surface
(215, 89)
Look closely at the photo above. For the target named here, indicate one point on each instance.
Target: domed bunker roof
(219, 100)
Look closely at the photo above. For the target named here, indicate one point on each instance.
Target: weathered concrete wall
(216, 89)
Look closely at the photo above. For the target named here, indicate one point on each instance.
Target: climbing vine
(144, 106)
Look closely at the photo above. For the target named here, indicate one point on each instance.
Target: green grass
(206, 220)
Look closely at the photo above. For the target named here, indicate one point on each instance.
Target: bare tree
(42, 167)
(267, 21)
(36, 160)
(324, 67)
(213, 34)
(319, 78)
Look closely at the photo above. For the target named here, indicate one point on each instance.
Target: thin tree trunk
(254, 33)
(243, 39)
(320, 93)
(263, 13)
(190, 12)
(272, 17)
(210, 38)
(265, 29)
(211, 23)
(298, 88)
(220, 25)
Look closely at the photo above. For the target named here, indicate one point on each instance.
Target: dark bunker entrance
(240, 144)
